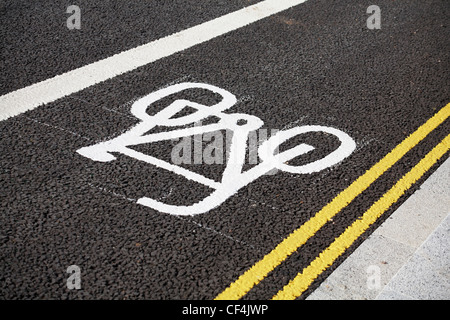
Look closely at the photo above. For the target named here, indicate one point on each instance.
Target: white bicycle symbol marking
(241, 125)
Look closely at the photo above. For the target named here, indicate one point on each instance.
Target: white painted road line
(28, 98)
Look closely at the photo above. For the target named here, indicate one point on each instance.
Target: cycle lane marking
(233, 177)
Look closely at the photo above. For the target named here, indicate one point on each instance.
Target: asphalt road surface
(89, 174)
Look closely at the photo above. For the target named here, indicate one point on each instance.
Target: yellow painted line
(296, 239)
(304, 279)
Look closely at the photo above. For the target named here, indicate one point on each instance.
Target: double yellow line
(299, 237)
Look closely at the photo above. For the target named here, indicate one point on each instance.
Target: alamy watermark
(373, 277)
(374, 20)
(215, 147)
(74, 280)
(74, 20)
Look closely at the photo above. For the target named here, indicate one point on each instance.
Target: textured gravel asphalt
(314, 64)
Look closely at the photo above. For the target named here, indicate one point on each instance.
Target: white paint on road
(28, 98)
(241, 125)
